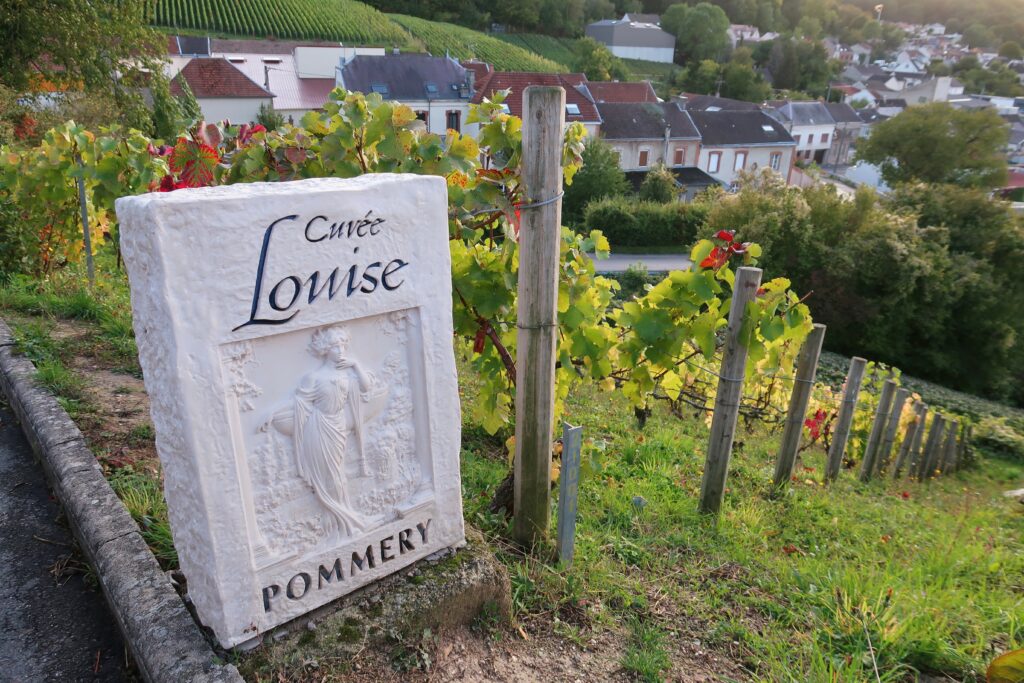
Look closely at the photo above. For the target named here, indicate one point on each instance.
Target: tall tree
(600, 177)
(935, 143)
(100, 47)
(597, 61)
(701, 31)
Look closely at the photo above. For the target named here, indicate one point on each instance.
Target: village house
(811, 126)
(299, 74)
(848, 127)
(438, 89)
(634, 40)
(579, 105)
(222, 91)
(733, 141)
(647, 134)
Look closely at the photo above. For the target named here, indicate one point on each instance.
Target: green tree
(189, 105)
(1011, 50)
(100, 47)
(702, 77)
(269, 118)
(700, 31)
(935, 143)
(979, 35)
(168, 114)
(597, 61)
(659, 186)
(740, 81)
(600, 177)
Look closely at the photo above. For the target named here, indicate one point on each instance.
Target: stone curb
(167, 644)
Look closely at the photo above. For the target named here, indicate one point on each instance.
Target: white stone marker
(296, 342)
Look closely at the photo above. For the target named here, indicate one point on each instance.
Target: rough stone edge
(167, 644)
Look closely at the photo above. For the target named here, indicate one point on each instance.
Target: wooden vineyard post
(845, 419)
(806, 370)
(882, 459)
(917, 447)
(730, 391)
(948, 457)
(931, 447)
(539, 248)
(906, 448)
(961, 451)
(86, 236)
(568, 492)
(867, 467)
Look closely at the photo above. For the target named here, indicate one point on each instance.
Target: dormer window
(431, 89)
(380, 88)
(572, 109)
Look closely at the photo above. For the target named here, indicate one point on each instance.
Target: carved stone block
(296, 342)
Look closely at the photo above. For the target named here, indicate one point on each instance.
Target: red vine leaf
(725, 235)
(716, 259)
(481, 339)
(194, 162)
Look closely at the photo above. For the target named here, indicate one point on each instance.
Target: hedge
(629, 222)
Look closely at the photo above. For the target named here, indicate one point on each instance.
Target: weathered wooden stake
(730, 390)
(884, 451)
(539, 247)
(927, 468)
(948, 458)
(568, 491)
(845, 419)
(806, 370)
(867, 467)
(961, 452)
(917, 448)
(906, 448)
(86, 235)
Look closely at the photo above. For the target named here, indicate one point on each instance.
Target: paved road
(656, 263)
(51, 628)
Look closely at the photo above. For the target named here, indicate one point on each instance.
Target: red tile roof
(628, 93)
(217, 77)
(517, 82)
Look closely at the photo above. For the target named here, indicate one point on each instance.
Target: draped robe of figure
(326, 410)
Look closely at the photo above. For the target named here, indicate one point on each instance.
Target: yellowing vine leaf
(1008, 668)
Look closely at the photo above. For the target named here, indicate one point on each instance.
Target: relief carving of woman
(326, 420)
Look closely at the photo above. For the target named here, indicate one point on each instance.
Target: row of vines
(656, 347)
(341, 20)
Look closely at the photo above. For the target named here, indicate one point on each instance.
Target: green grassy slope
(561, 50)
(461, 42)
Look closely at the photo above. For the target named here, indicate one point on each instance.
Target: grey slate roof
(694, 102)
(738, 128)
(407, 77)
(870, 115)
(619, 33)
(645, 121)
(841, 112)
(805, 113)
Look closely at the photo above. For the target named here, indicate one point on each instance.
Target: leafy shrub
(997, 434)
(659, 186)
(627, 222)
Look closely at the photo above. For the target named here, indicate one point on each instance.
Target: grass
(807, 587)
(814, 585)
